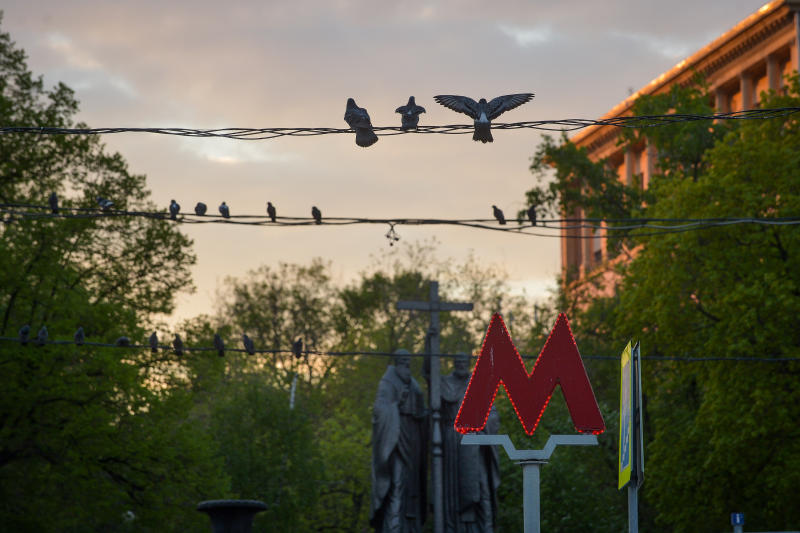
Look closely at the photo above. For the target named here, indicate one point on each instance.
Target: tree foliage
(723, 430)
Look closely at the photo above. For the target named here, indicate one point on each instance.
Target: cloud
(525, 37)
(665, 47)
(234, 152)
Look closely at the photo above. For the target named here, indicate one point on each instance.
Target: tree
(723, 429)
(87, 440)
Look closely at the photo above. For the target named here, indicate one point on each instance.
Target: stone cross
(434, 306)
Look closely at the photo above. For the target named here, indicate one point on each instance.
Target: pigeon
(483, 112)
(498, 214)
(153, 340)
(271, 211)
(532, 214)
(177, 344)
(200, 209)
(174, 209)
(409, 114)
(317, 214)
(53, 203)
(223, 209)
(24, 334)
(122, 341)
(219, 345)
(358, 119)
(104, 204)
(80, 338)
(297, 348)
(248, 344)
(41, 337)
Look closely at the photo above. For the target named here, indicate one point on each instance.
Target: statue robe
(399, 458)
(471, 473)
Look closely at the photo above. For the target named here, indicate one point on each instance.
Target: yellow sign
(626, 417)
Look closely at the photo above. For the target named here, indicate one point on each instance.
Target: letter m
(559, 363)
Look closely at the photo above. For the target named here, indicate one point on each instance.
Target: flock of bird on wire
(79, 339)
(482, 112)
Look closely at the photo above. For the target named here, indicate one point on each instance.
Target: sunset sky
(207, 64)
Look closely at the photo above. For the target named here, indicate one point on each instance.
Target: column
(721, 101)
(746, 85)
(773, 73)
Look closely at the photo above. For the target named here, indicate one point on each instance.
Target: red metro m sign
(559, 363)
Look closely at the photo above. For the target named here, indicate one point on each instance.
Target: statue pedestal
(531, 461)
(231, 516)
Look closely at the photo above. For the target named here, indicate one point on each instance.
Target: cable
(328, 353)
(571, 124)
(631, 226)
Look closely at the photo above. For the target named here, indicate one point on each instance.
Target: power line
(568, 124)
(659, 226)
(357, 353)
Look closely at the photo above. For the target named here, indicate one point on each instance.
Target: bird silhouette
(174, 209)
(271, 211)
(104, 204)
(219, 345)
(317, 214)
(177, 345)
(122, 341)
(200, 209)
(79, 337)
(223, 209)
(53, 200)
(24, 334)
(249, 347)
(153, 340)
(498, 214)
(358, 119)
(297, 348)
(409, 114)
(532, 214)
(483, 112)
(41, 337)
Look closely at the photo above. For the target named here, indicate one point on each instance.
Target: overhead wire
(568, 124)
(360, 353)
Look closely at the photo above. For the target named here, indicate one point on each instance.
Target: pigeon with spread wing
(483, 112)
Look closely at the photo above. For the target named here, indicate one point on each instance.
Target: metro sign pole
(559, 363)
(434, 306)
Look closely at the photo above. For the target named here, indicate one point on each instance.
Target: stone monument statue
(471, 473)
(399, 451)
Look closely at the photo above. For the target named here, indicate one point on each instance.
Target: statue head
(402, 364)
(461, 365)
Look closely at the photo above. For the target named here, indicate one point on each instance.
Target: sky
(207, 64)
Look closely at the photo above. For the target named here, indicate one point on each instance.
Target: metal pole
(530, 496)
(633, 507)
(435, 402)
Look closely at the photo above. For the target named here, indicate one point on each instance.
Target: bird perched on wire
(483, 112)
(104, 203)
(358, 119)
(122, 341)
(153, 340)
(79, 337)
(317, 214)
(297, 348)
(532, 214)
(200, 209)
(24, 334)
(498, 214)
(177, 345)
(174, 209)
(271, 211)
(219, 345)
(41, 337)
(409, 114)
(53, 200)
(224, 211)
(249, 347)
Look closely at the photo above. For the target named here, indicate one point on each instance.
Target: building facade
(739, 65)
